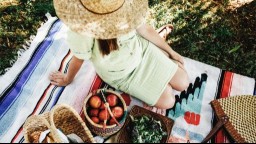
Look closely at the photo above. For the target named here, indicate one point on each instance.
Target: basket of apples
(105, 112)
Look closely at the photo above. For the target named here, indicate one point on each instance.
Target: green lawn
(210, 31)
(17, 24)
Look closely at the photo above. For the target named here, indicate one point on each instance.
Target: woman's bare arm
(61, 79)
(150, 34)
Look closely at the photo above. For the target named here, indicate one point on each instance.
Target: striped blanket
(25, 89)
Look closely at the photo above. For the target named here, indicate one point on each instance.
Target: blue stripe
(14, 110)
(45, 108)
(14, 93)
(61, 89)
(58, 96)
(54, 103)
(54, 89)
(11, 85)
(48, 101)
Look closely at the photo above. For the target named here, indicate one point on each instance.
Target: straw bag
(66, 119)
(34, 126)
(61, 118)
(238, 116)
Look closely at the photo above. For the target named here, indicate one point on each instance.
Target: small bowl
(98, 128)
(136, 111)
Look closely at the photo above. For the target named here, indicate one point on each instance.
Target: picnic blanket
(25, 89)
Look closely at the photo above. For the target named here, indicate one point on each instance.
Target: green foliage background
(205, 30)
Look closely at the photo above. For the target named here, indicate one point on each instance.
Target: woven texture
(241, 111)
(26, 90)
(98, 128)
(66, 119)
(62, 117)
(102, 7)
(33, 127)
(86, 18)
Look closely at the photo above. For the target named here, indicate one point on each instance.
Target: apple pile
(97, 112)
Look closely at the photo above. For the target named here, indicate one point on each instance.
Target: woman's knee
(167, 99)
(180, 80)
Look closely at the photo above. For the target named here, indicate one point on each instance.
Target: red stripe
(81, 112)
(42, 97)
(40, 101)
(227, 83)
(62, 63)
(96, 85)
(16, 136)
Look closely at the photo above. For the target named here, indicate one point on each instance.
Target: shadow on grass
(208, 32)
(204, 30)
(17, 24)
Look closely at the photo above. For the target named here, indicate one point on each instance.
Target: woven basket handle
(222, 121)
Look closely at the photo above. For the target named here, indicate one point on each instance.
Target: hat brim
(107, 26)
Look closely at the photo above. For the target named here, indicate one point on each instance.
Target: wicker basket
(110, 129)
(66, 119)
(237, 115)
(33, 127)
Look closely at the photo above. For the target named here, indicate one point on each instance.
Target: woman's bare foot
(165, 30)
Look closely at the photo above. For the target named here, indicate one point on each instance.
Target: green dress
(138, 68)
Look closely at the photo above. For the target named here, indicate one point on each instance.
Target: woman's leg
(180, 80)
(167, 99)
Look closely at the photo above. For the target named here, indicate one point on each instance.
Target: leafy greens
(146, 130)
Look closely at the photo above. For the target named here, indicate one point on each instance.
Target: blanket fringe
(20, 52)
(24, 47)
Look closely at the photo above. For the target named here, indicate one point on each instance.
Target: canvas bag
(238, 116)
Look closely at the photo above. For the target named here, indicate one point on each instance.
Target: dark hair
(107, 46)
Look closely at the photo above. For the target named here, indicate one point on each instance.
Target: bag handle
(222, 121)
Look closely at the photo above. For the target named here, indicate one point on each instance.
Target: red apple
(112, 121)
(101, 123)
(94, 112)
(103, 115)
(95, 101)
(117, 111)
(112, 100)
(102, 106)
(95, 120)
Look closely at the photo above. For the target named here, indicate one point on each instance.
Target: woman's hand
(177, 58)
(59, 79)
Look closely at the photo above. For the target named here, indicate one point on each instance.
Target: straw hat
(102, 19)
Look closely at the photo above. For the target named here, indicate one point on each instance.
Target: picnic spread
(27, 99)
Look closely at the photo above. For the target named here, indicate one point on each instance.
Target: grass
(18, 21)
(215, 33)
(218, 33)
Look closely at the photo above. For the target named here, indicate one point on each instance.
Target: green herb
(146, 130)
